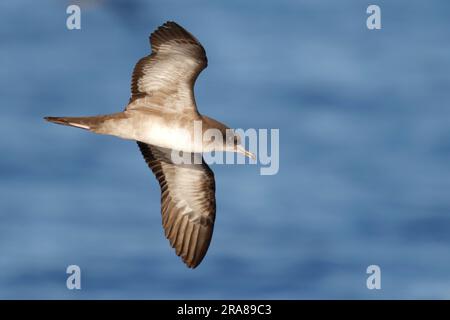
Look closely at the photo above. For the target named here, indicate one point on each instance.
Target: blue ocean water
(364, 175)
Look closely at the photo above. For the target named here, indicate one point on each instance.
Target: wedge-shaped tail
(94, 123)
(78, 122)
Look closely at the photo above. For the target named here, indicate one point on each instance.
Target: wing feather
(188, 205)
(167, 76)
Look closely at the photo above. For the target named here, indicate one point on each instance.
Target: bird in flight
(161, 116)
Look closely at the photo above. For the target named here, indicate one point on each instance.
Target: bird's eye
(236, 139)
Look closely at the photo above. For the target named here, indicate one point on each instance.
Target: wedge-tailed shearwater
(160, 116)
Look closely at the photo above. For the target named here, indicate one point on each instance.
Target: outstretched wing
(167, 76)
(188, 204)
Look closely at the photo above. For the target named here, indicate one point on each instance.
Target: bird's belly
(168, 135)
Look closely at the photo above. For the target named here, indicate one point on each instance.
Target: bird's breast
(168, 132)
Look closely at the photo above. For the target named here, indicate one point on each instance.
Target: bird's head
(219, 137)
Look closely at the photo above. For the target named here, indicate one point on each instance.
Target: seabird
(160, 117)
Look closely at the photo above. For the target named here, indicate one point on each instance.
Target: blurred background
(364, 175)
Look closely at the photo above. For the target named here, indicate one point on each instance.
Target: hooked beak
(240, 149)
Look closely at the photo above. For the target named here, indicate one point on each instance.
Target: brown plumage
(171, 69)
(189, 208)
(162, 101)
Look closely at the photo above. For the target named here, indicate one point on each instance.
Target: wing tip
(199, 246)
(192, 264)
(194, 261)
(171, 30)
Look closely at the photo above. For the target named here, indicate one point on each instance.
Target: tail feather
(78, 122)
(88, 123)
